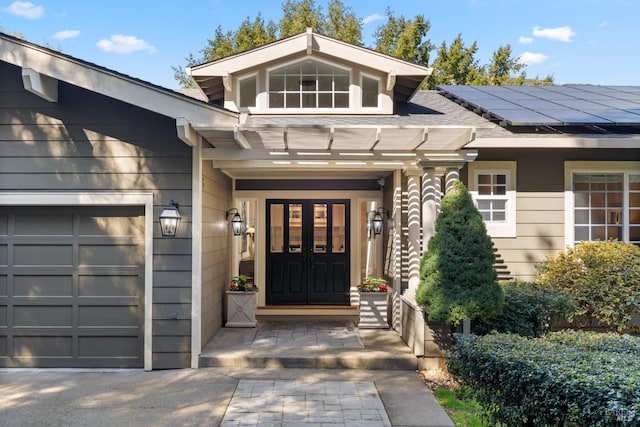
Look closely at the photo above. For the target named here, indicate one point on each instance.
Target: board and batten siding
(87, 142)
(216, 250)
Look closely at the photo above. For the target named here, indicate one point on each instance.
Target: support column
(453, 174)
(431, 189)
(413, 232)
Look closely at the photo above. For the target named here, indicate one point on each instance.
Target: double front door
(307, 252)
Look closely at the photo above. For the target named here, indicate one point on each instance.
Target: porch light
(170, 219)
(236, 221)
(377, 221)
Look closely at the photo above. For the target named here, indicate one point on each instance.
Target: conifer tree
(458, 280)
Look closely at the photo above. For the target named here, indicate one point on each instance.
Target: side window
(248, 92)
(369, 92)
(493, 187)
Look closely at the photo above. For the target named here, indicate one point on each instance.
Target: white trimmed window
(248, 92)
(603, 204)
(309, 85)
(370, 91)
(493, 187)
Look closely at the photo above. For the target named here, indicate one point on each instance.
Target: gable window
(248, 92)
(369, 92)
(493, 188)
(606, 206)
(309, 85)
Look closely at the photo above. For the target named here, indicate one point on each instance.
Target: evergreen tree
(458, 281)
(405, 38)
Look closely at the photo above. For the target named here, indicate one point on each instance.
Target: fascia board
(112, 85)
(631, 142)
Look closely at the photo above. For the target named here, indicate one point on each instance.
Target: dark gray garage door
(71, 287)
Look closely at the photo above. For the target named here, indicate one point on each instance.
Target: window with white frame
(606, 205)
(248, 92)
(492, 185)
(370, 92)
(309, 85)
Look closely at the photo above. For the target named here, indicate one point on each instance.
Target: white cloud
(119, 43)
(371, 18)
(525, 40)
(562, 34)
(25, 9)
(66, 34)
(531, 58)
(604, 24)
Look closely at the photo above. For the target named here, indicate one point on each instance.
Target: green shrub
(604, 278)
(565, 378)
(458, 281)
(528, 309)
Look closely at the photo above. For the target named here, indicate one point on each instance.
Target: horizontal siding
(216, 251)
(89, 142)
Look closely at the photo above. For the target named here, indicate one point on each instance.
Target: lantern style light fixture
(378, 221)
(236, 221)
(170, 219)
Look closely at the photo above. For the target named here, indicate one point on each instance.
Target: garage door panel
(108, 346)
(108, 316)
(72, 287)
(32, 224)
(100, 225)
(94, 255)
(41, 285)
(43, 255)
(42, 315)
(42, 346)
(107, 285)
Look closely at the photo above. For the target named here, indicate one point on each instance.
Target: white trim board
(105, 199)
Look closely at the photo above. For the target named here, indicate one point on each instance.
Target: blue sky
(577, 41)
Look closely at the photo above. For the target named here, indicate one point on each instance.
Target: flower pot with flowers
(373, 293)
(241, 302)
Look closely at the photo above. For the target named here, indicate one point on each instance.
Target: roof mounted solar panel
(569, 105)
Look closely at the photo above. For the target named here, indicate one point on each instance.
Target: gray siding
(540, 212)
(88, 142)
(216, 199)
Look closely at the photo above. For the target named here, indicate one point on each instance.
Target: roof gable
(42, 68)
(403, 76)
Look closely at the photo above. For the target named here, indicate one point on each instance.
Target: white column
(453, 174)
(430, 204)
(413, 232)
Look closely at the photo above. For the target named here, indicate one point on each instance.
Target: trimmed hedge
(529, 309)
(562, 379)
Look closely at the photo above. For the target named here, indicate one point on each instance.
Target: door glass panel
(295, 228)
(276, 227)
(338, 232)
(320, 228)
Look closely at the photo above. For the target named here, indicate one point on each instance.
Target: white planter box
(241, 310)
(373, 310)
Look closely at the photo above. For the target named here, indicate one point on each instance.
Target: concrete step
(287, 345)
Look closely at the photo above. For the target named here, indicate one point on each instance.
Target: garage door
(71, 287)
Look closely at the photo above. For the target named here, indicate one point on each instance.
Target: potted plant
(373, 293)
(241, 302)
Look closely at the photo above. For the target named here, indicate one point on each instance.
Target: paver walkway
(301, 403)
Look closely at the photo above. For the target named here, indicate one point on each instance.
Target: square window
(293, 100)
(308, 100)
(276, 100)
(276, 83)
(341, 83)
(325, 100)
(341, 100)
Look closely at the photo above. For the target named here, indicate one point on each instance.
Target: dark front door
(307, 252)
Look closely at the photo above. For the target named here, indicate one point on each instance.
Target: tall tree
(405, 38)
(504, 68)
(455, 64)
(297, 16)
(342, 23)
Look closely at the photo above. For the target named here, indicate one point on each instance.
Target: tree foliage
(401, 37)
(458, 281)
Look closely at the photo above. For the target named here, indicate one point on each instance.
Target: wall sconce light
(170, 220)
(236, 221)
(377, 221)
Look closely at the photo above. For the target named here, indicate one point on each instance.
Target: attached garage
(72, 286)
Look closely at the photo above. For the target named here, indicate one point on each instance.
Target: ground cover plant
(567, 378)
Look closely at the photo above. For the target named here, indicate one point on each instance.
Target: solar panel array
(566, 105)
